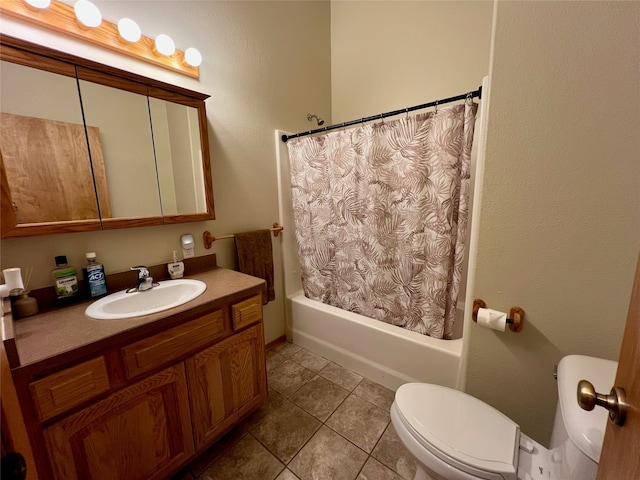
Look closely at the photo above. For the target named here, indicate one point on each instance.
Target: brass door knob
(615, 402)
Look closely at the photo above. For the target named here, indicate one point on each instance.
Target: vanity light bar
(61, 18)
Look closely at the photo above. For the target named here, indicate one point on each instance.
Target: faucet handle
(143, 272)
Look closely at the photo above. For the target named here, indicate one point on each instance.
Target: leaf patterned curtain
(380, 217)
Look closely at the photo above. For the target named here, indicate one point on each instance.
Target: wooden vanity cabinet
(226, 381)
(167, 396)
(142, 431)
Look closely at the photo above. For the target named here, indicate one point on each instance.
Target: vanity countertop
(65, 329)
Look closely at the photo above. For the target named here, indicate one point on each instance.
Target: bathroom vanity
(139, 397)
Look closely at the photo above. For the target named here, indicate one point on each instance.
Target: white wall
(265, 64)
(560, 219)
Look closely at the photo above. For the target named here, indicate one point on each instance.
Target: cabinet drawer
(247, 312)
(149, 353)
(68, 388)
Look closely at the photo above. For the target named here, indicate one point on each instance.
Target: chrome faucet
(145, 280)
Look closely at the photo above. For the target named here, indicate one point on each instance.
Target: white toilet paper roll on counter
(12, 279)
(492, 319)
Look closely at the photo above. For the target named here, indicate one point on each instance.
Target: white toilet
(455, 436)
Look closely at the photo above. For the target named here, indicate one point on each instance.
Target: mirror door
(178, 150)
(120, 112)
(46, 171)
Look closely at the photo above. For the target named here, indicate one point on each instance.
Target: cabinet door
(140, 432)
(226, 381)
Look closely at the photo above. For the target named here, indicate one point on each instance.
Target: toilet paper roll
(492, 319)
(12, 279)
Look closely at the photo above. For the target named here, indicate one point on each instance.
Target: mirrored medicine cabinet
(85, 146)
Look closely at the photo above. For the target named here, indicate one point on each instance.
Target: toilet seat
(459, 429)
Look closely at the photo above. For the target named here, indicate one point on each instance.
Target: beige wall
(265, 65)
(560, 219)
(393, 54)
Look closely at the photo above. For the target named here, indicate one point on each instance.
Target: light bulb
(37, 5)
(192, 57)
(129, 30)
(87, 13)
(164, 45)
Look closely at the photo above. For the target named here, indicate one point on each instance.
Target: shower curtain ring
(436, 110)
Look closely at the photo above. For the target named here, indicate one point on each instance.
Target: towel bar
(209, 239)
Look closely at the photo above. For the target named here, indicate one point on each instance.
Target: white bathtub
(387, 354)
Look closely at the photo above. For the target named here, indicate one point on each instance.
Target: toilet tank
(576, 441)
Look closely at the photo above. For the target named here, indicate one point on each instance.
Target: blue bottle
(94, 277)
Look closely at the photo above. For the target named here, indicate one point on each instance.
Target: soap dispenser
(176, 268)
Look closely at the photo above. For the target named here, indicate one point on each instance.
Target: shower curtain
(380, 216)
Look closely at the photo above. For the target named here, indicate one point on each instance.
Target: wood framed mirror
(85, 146)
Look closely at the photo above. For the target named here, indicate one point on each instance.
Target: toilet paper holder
(515, 320)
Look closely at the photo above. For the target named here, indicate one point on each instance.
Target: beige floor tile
(288, 377)
(328, 456)
(374, 470)
(359, 421)
(320, 397)
(310, 360)
(392, 453)
(246, 460)
(377, 394)
(285, 431)
(215, 451)
(287, 475)
(274, 400)
(274, 359)
(341, 376)
(286, 349)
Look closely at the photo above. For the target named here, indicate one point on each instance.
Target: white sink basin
(166, 295)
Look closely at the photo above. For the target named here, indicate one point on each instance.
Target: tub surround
(94, 393)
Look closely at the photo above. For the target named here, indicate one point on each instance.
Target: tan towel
(255, 257)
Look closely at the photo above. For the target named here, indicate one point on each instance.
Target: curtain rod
(476, 93)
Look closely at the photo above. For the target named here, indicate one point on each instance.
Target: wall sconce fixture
(164, 45)
(87, 14)
(129, 30)
(38, 4)
(192, 57)
(84, 21)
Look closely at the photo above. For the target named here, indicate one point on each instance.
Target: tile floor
(320, 422)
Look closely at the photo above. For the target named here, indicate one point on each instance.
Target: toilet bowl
(454, 436)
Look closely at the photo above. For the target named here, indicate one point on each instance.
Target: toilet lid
(471, 434)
